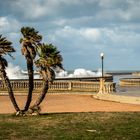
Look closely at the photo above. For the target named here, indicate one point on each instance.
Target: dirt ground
(54, 103)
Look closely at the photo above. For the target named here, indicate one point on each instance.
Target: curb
(118, 98)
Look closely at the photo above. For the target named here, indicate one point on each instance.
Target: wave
(16, 72)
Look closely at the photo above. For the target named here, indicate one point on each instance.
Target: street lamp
(102, 58)
(102, 80)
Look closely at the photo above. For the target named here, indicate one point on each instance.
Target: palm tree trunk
(42, 95)
(9, 87)
(31, 82)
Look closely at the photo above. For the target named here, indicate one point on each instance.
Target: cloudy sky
(81, 29)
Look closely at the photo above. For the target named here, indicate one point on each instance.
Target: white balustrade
(84, 86)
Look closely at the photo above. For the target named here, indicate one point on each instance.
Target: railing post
(102, 86)
(69, 85)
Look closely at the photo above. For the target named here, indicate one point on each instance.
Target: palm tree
(49, 59)
(6, 48)
(29, 42)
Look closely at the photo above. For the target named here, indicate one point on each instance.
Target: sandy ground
(54, 103)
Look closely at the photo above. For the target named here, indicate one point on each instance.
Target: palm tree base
(32, 111)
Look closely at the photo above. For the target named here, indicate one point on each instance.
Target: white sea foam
(15, 72)
(80, 72)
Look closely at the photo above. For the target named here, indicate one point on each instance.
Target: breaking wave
(16, 72)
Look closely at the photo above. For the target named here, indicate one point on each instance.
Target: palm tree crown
(5, 48)
(49, 59)
(31, 34)
(30, 40)
(49, 56)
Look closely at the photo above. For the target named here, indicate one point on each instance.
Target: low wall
(136, 73)
(59, 86)
(129, 82)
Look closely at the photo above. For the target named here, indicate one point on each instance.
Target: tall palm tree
(49, 59)
(6, 48)
(29, 42)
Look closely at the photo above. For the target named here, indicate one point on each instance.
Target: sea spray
(80, 72)
(15, 72)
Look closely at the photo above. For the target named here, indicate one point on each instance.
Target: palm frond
(49, 55)
(31, 34)
(30, 41)
(6, 46)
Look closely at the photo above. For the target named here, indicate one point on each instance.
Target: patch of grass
(68, 126)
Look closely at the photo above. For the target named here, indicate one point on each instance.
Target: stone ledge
(54, 92)
(118, 98)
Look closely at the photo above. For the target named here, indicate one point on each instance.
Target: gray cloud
(80, 28)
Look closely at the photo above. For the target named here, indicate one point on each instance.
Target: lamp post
(102, 58)
(102, 80)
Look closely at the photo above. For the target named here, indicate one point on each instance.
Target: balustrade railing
(83, 86)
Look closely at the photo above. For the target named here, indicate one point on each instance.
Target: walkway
(54, 103)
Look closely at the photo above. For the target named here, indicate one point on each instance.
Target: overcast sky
(81, 29)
